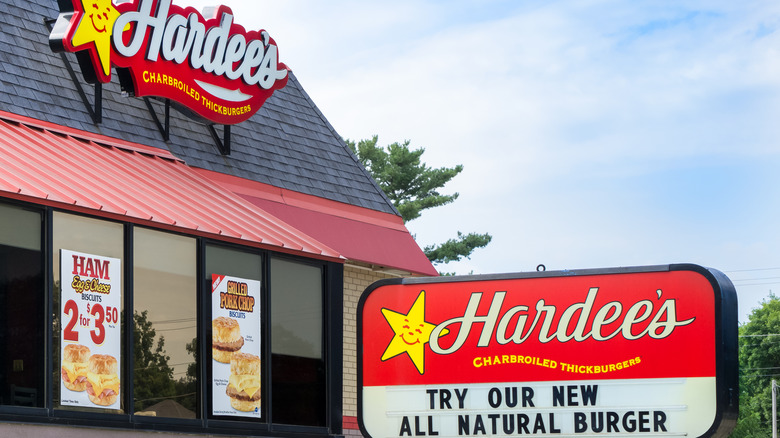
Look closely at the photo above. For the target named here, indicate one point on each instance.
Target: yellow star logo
(412, 332)
(96, 26)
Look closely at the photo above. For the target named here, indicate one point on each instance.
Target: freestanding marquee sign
(209, 65)
(631, 351)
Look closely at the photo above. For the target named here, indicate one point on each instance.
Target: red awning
(78, 171)
(359, 234)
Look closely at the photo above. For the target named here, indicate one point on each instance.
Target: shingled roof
(288, 143)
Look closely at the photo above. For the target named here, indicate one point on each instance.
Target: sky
(593, 134)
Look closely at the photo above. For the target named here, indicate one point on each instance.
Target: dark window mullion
(334, 348)
(204, 331)
(267, 340)
(48, 256)
(127, 389)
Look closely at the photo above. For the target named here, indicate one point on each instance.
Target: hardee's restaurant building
(183, 236)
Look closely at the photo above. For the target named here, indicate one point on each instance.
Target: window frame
(325, 323)
(204, 348)
(13, 409)
(332, 282)
(129, 338)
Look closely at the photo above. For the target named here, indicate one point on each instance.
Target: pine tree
(412, 187)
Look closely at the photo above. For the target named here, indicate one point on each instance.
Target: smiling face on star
(411, 336)
(100, 17)
(94, 31)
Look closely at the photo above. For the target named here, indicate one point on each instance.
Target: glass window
(22, 308)
(88, 351)
(298, 363)
(165, 324)
(226, 261)
(93, 345)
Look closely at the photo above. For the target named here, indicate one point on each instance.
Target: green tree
(152, 376)
(187, 386)
(412, 187)
(759, 363)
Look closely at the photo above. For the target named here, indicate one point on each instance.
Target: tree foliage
(152, 376)
(410, 184)
(454, 250)
(412, 187)
(187, 386)
(759, 362)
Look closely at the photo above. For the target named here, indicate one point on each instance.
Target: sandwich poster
(235, 346)
(90, 337)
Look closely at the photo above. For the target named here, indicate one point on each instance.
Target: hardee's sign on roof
(210, 65)
(648, 351)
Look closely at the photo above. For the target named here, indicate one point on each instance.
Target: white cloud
(593, 134)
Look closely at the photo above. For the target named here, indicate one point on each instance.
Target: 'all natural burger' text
(521, 410)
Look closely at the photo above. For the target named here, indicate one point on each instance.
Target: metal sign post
(774, 409)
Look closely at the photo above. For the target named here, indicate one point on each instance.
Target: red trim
(267, 192)
(350, 423)
(75, 170)
(84, 135)
(359, 234)
(65, 168)
(163, 227)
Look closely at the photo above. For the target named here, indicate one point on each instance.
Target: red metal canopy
(358, 234)
(78, 171)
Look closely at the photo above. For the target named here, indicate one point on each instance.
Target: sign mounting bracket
(165, 129)
(223, 144)
(96, 111)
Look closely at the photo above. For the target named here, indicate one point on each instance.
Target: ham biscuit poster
(650, 351)
(236, 365)
(90, 337)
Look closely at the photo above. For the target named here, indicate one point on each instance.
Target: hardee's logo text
(578, 322)
(177, 39)
(236, 297)
(210, 65)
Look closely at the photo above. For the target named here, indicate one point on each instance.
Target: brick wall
(356, 280)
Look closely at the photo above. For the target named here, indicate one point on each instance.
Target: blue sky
(593, 133)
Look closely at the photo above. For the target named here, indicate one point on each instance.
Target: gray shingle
(288, 143)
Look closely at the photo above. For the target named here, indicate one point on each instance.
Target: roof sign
(649, 351)
(209, 65)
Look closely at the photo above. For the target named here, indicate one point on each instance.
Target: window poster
(235, 346)
(90, 340)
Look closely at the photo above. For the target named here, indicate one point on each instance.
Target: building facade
(162, 273)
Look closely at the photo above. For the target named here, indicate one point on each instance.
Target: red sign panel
(210, 65)
(609, 351)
